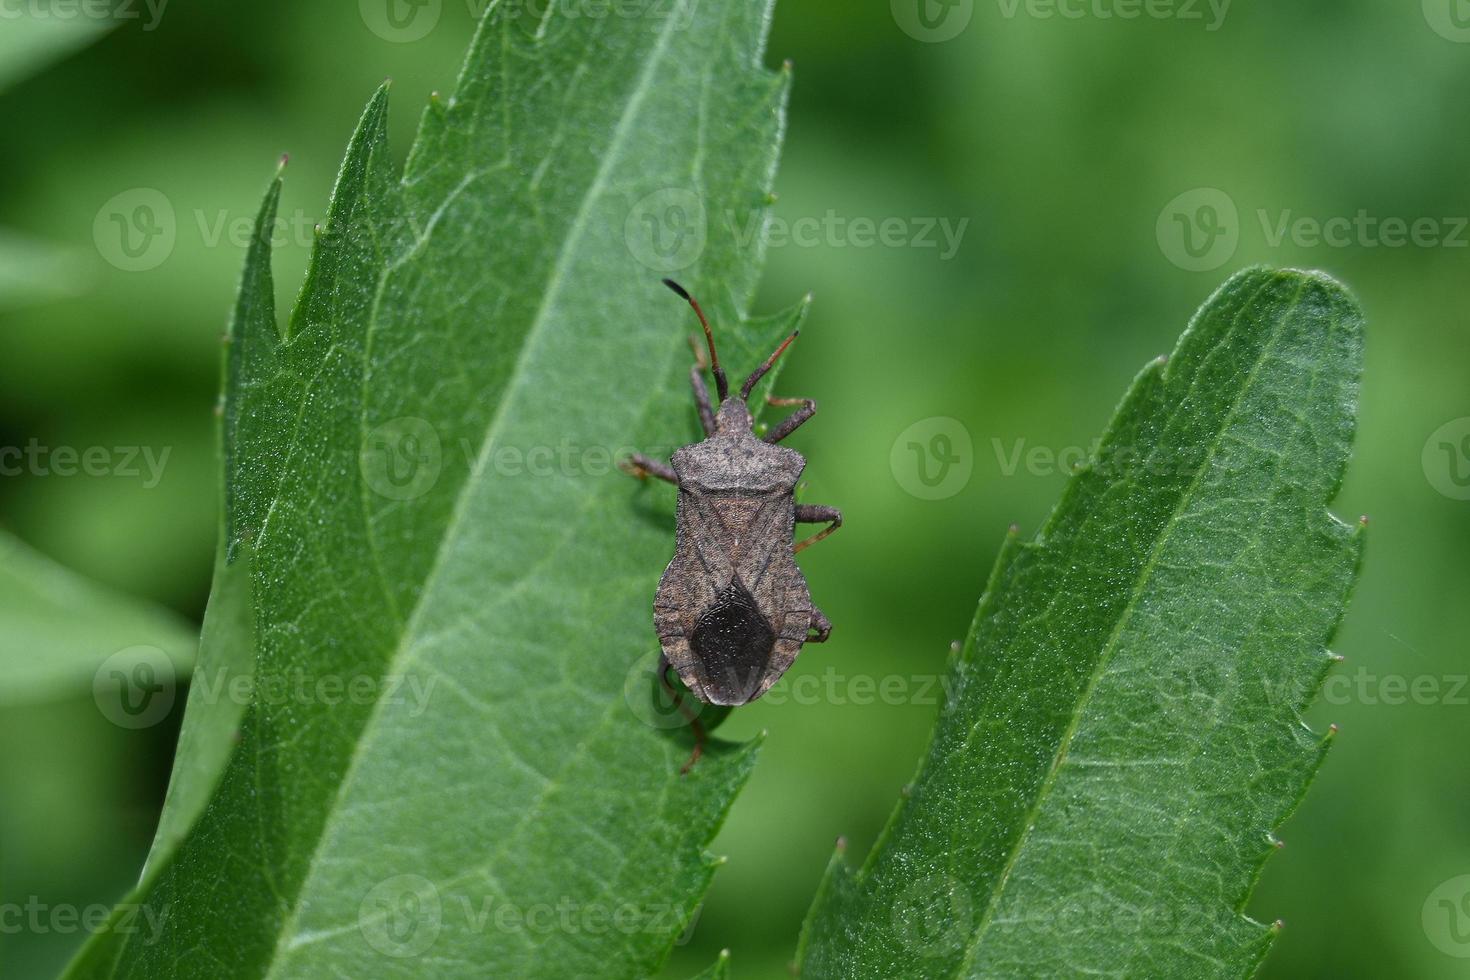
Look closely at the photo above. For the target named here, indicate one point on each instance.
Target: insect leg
(689, 716)
(816, 514)
(643, 467)
(822, 625)
(701, 390)
(793, 421)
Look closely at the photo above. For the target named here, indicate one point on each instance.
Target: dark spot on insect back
(733, 642)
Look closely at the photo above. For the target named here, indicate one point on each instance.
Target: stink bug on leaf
(732, 609)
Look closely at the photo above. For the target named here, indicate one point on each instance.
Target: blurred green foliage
(1061, 140)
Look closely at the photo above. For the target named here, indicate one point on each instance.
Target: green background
(1063, 141)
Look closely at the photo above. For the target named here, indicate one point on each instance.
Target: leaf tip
(737, 759)
(376, 110)
(799, 314)
(1333, 296)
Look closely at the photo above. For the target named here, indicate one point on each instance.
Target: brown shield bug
(732, 609)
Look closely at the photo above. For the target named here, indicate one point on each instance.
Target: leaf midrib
(399, 658)
(1126, 614)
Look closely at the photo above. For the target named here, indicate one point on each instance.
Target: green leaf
(223, 679)
(388, 474)
(214, 710)
(62, 631)
(1124, 731)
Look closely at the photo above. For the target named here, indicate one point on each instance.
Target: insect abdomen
(732, 640)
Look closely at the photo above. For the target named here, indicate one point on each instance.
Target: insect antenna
(760, 372)
(721, 384)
